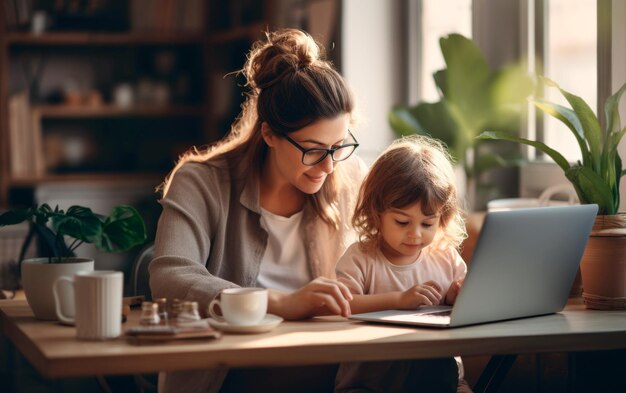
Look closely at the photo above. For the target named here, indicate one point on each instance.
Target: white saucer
(268, 323)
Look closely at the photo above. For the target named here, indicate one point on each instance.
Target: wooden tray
(175, 334)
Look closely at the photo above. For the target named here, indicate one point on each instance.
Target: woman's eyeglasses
(316, 155)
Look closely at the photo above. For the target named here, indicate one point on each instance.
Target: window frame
(539, 174)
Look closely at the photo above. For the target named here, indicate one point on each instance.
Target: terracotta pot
(603, 266)
(38, 276)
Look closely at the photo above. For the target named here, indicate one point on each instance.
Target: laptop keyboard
(435, 314)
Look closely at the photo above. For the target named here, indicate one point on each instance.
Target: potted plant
(123, 229)
(596, 179)
(473, 99)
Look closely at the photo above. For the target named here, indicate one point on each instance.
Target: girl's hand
(321, 296)
(454, 290)
(426, 294)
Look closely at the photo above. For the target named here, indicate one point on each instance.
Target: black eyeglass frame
(326, 151)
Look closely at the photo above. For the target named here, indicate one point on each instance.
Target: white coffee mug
(97, 303)
(241, 306)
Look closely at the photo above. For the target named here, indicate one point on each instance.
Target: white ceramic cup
(97, 303)
(241, 306)
(545, 199)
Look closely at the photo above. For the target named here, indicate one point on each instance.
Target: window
(562, 44)
(439, 18)
(570, 46)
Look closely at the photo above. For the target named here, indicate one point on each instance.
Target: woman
(270, 205)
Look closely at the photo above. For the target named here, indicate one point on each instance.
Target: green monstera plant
(596, 177)
(473, 99)
(122, 230)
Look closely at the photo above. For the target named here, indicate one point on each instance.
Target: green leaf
(510, 87)
(591, 188)
(44, 213)
(571, 120)
(13, 217)
(556, 156)
(590, 125)
(488, 161)
(466, 78)
(548, 81)
(611, 111)
(79, 222)
(441, 81)
(403, 122)
(122, 230)
(431, 119)
(617, 137)
(436, 121)
(50, 239)
(618, 169)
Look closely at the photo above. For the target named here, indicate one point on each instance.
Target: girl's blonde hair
(291, 85)
(413, 169)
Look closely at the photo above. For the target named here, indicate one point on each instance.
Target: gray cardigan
(210, 238)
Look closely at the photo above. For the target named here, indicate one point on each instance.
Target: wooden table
(55, 352)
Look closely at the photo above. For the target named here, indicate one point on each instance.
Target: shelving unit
(82, 38)
(108, 111)
(113, 178)
(134, 144)
(121, 144)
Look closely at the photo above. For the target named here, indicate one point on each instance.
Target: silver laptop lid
(524, 263)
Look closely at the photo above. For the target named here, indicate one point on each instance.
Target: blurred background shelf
(252, 32)
(87, 38)
(68, 111)
(115, 91)
(117, 179)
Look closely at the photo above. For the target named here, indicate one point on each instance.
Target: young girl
(410, 225)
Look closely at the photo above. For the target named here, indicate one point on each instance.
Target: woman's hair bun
(285, 52)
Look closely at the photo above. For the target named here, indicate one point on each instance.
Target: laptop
(524, 265)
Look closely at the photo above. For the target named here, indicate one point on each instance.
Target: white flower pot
(38, 276)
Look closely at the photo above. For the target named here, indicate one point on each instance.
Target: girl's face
(405, 232)
(285, 159)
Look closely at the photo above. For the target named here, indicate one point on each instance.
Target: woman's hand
(426, 294)
(454, 290)
(321, 296)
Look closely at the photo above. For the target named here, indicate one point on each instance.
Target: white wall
(371, 63)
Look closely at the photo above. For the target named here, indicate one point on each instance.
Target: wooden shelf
(153, 178)
(84, 38)
(133, 38)
(107, 111)
(210, 45)
(251, 32)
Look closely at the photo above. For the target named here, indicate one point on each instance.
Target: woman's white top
(283, 266)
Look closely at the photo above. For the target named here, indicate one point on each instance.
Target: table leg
(494, 373)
